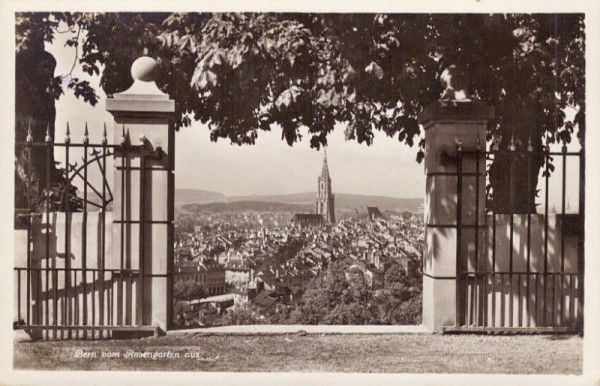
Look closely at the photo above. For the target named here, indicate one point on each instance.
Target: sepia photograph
(300, 192)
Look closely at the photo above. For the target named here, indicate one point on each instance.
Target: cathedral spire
(325, 199)
(325, 169)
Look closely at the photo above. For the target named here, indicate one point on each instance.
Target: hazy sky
(269, 167)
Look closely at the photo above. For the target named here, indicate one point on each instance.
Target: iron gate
(520, 271)
(77, 278)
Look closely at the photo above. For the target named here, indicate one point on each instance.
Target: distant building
(238, 273)
(220, 302)
(266, 301)
(305, 220)
(373, 275)
(325, 205)
(374, 212)
(243, 295)
(361, 213)
(207, 273)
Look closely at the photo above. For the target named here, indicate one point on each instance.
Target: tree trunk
(35, 108)
(514, 175)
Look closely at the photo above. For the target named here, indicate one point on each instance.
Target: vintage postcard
(284, 193)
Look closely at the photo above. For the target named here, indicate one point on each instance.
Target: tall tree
(35, 111)
(243, 73)
(36, 90)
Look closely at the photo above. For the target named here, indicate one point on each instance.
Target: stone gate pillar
(454, 119)
(144, 197)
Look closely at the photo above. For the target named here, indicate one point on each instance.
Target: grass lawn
(391, 353)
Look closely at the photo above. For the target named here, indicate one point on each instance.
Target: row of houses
(245, 269)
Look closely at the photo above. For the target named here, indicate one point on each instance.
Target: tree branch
(76, 51)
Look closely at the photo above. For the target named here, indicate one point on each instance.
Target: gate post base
(439, 303)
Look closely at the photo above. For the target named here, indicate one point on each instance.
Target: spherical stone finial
(144, 69)
(455, 82)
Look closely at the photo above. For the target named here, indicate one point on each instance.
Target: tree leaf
(324, 98)
(284, 100)
(218, 58)
(375, 70)
(203, 81)
(212, 78)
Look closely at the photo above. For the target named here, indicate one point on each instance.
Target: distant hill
(194, 196)
(343, 201)
(242, 206)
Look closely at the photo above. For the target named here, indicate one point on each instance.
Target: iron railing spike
(459, 144)
(68, 134)
(104, 135)
(495, 144)
(29, 138)
(48, 138)
(86, 134)
(123, 137)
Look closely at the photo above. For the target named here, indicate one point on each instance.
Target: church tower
(325, 199)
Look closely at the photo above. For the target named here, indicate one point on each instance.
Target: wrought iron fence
(68, 285)
(519, 270)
